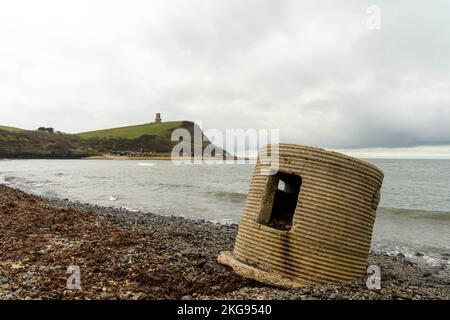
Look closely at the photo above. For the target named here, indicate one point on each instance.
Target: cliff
(139, 140)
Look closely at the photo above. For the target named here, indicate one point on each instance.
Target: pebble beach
(138, 255)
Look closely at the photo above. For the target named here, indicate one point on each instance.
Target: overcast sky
(312, 69)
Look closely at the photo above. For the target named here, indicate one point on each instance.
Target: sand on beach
(135, 255)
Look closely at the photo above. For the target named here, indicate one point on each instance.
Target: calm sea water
(414, 214)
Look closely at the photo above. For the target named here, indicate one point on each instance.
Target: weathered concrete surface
(332, 225)
(270, 278)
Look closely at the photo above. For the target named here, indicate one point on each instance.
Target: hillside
(42, 145)
(10, 129)
(146, 140)
(140, 140)
(132, 132)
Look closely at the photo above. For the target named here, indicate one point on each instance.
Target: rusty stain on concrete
(313, 227)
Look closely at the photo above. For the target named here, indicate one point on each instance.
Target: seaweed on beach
(135, 255)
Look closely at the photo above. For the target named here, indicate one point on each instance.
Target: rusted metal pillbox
(309, 222)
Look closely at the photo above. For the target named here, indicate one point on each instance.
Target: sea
(413, 217)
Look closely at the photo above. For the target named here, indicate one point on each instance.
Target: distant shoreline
(113, 157)
(162, 157)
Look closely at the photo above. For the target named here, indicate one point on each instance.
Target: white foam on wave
(417, 255)
(146, 164)
(435, 261)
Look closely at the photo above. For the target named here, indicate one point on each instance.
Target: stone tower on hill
(158, 118)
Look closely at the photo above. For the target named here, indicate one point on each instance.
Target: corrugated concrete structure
(310, 222)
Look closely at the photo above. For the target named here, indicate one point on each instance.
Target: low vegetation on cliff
(10, 129)
(134, 132)
(39, 144)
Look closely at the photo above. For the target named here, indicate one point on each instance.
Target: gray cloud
(313, 70)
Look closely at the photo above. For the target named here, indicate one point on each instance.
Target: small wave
(416, 214)
(96, 177)
(9, 178)
(233, 196)
(146, 164)
(51, 194)
(130, 209)
(172, 186)
(429, 256)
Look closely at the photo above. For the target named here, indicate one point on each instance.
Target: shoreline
(135, 255)
(162, 157)
(137, 158)
(111, 157)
